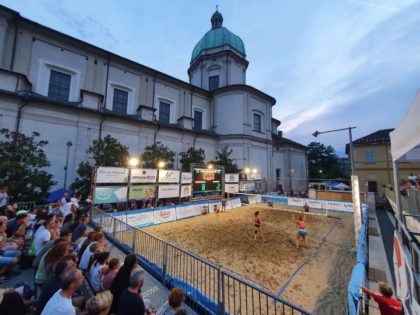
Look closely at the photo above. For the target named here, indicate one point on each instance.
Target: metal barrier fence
(209, 288)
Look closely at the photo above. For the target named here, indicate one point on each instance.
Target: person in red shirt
(387, 305)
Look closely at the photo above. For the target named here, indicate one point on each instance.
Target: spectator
(122, 279)
(97, 270)
(11, 210)
(67, 207)
(100, 304)
(306, 207)
(16, 228)
(61, 302)
(43, 234)
(175, 300)
(98, 239)
(53, 284)
(81, 229)
(387, 305)
(114, 265)
(11, 303)
(67, 223)
(130, 301)
(46, 248)
(47, 263)
(9, 255)
(4, 199)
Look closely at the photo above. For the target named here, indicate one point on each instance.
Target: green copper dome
(218, 36)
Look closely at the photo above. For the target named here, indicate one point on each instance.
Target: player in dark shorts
(257, 225)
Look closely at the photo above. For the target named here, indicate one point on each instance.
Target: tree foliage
(191, 156)
(223, 158)
(155, 153)
(22, 163)
(323, 163)
(104, 152)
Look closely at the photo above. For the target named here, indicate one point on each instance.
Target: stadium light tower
(317, 133)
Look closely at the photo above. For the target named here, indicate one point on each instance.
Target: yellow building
(373, 162)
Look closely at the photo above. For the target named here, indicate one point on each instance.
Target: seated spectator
(11, 303)
(67, 223)
(11, 209)
(100, 304)
(61, 301)
(99, 242)
(97, 269)
(48, 261)
(4, 199)
(43, 234)
(175, 300)
(9, 255)
(130, 301)
(122, 279)
(387, 305)
(53, 283)
(16, 228)
(81, 229)
(46, 248)
(114, 265)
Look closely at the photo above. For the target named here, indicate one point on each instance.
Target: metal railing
(209, 287)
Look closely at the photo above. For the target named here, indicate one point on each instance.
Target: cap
(20, 213)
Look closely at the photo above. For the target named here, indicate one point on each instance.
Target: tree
(155, 153)
(104, 152)
(323, 163)
(22, 160)
(223, 158)
(191, 156)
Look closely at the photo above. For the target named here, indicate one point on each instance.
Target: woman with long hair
(97, 269)
(122, 279)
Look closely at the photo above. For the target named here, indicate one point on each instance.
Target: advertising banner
(186, 178)
(168, 176)
(168, 191)
(236, 203)
(141, 175)
(111, 175)
(140, 218)
(142, 192)
(110, 194)
(246, 186)
(213, 206)
(185, 191)
(231, 178)
(231, 188)
(164, 215)
(252, 200)
(189, 211)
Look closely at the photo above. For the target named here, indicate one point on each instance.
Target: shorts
(302, 233)
(257, 226)
(8, 256)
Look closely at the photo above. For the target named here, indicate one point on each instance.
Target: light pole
(68, 144)
(316, 133)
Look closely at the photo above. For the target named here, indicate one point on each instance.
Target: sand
(227, 239)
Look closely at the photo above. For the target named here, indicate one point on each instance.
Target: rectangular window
(198, 120)
(257, 123)
(369, 156)
(278, 171)
(120, 101)
(213, 82)
(164, 112)
(372, 186)
(59, 88)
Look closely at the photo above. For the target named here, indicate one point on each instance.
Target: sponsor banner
(142, 192)
(141, 175)
(111, 175)
(231, 188)
(252, 200)
(164, 215)
(110, 194)
(168, 176)
(404, 277)
(231, 178)
(186, 178)
(168, 191)
(236, 203)
(190, 211)
(297, 202)
(185, 191)
(246, 186)
(142, 218)
(255, 176)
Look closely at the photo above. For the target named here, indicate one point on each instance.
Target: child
(301, 230)
(257, 225)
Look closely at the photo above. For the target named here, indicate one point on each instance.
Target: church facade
(71, 91)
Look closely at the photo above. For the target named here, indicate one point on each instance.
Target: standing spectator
(130, 301)
(387, 305)
(67, 207)
(64, 199)
(61, 302)
(175, 300)
(114, 265)
(122, 279)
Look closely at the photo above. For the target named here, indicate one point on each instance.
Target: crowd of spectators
(68, 261)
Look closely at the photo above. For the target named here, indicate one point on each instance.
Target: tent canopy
(405, 139)
(58, 194)
(341, 186)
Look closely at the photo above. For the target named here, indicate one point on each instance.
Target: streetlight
(247, 170)
(68, 144)
(133, 161)
(316, 133)
(254, 171)
(210, 166)
(161, 164)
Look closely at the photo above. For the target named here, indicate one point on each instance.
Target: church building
(70, 91)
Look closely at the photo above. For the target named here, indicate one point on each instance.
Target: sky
(330, 64)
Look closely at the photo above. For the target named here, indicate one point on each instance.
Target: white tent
(405, 139)
(341, 186)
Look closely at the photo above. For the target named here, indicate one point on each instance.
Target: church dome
(218, 36)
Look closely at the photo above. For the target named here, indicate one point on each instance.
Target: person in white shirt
(67, 208)
(43, 234)
(60, 303)
(97, 270)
